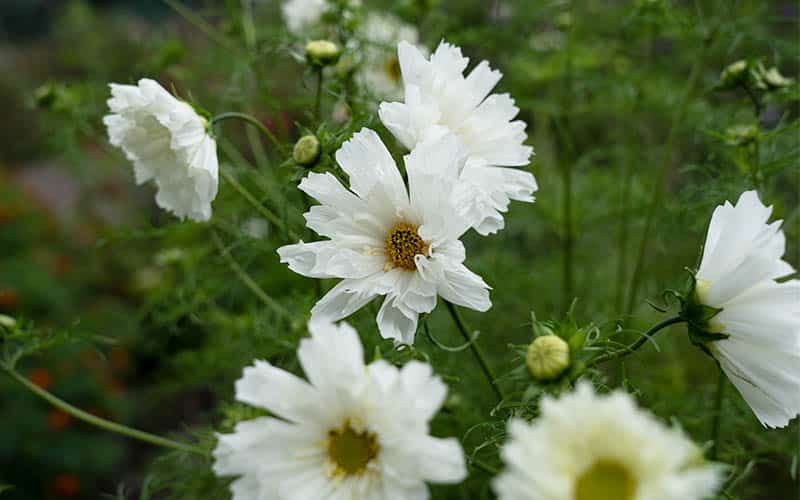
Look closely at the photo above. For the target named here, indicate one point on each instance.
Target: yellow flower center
(392, 69)
(351, 451)
(605, 480)
(402, 245)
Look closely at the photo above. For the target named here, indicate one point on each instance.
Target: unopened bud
(321, 52)
(775, 79)
(547, 357)
(7, 321)
(307, 150)
(734, 73)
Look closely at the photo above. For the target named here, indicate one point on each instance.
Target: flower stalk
(476, 350)
(646, 336)
(250, 120)
(97, 421)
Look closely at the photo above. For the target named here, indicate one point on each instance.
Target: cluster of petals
(759, 315)
(168, 143)
(588, 446)
(294, 456)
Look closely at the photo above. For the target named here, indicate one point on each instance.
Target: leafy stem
(476, 349)
(250, 120)
(97, 421)
(646, 336)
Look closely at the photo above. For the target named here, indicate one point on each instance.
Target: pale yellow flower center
(606, 480)
(351, 451)
(403, 244)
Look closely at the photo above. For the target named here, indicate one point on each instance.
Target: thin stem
(248, 281)
(264, 211)
(200, 24)
(754, 99)
(318, 96)
(661, 173)
(252, 121)
(716, 423)
(97, 421)
(476, 350)
(646, 336)
(482, 466)
(568, 158)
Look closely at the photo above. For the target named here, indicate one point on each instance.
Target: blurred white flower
(169, 143)
(586, 446)
(387, 240)
(380, 71)
(742, 258)
(438, 99)
(352, 432)
(302, 15)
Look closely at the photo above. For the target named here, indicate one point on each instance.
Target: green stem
(318, 96)
(646, 336)
(482, 466)
(248, 281)
(661, 173)
(476, 350)
(97, 421)
(716, 423)
(252, 121)
(568, 158)
(264, 211)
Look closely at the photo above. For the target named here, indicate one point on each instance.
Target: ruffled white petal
(168, 143)
(742, 258)
(279, 391)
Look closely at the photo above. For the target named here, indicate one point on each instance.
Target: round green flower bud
(734, 73)
(7, 321)
(321, 52)
(547, 357)
(307, 150)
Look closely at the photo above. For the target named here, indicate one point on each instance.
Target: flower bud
(547, 357)
(741, 135)
(321, 53)
(306, 151)
(7, 322)
(775, 79)
(734, 73)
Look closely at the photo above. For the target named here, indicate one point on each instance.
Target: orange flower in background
(66, 485)
(41, 377)
(9, 298)
(58, 419)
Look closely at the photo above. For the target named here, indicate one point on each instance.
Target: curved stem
(264, 211)
(97, 421)
(247, 280)
(252, 121)
(476, 350)
(646, 336)
(717, 421)
(661, 173)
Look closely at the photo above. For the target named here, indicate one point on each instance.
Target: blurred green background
(163, 327)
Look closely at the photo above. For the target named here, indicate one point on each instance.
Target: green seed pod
(321, 53)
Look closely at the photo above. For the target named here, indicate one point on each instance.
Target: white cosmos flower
(439, 98)
(381, 67)
(300, 15)
(742, 258)
(168, 143)
(586, 446)
(385, 239)
(352, 432)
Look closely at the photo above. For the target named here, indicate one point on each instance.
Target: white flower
(301, 15)
(352, 432)
(742, 258)
(386, 240)
(439, 98)
(381, 67)
(590, 447)
(168, 142)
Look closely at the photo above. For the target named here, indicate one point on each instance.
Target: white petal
(396, 322)
(332, 354)
(278, 391)
(345, 298)
(371, 169)
(326, 259)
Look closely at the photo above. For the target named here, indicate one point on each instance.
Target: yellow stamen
(351, 451)
(402, 245)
